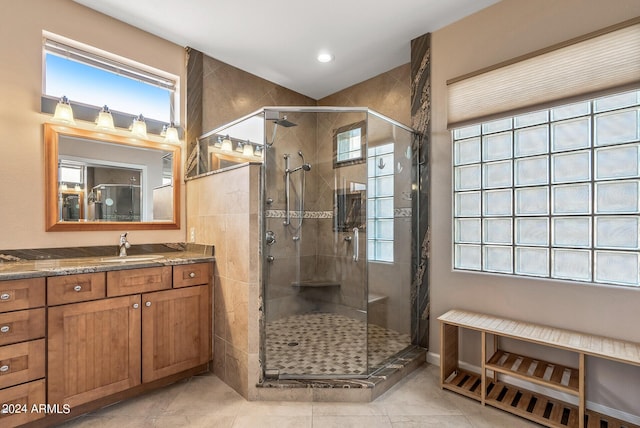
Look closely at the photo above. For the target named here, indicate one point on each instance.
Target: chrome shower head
(284, 122)
(274, 117)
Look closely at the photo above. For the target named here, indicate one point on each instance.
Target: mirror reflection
(109, 180)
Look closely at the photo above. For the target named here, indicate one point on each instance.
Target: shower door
(315, 244)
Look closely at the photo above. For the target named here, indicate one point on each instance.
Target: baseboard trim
(433, 358)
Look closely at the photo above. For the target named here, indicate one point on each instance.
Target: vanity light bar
(122, 121)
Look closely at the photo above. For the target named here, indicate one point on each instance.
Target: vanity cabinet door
(175, 331)
(93, 349)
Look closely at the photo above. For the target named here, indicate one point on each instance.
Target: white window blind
(578, 69)
(107, 64)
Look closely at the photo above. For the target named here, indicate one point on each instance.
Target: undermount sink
(126, 259)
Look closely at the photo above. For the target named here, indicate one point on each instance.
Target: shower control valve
(270, 237)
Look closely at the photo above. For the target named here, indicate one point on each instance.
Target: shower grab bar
(356, 244)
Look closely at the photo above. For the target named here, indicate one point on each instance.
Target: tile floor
(205, 401)
(328, 344)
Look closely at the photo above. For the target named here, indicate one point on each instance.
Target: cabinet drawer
(21, 362)
(194, 274)
(75, 288)
(134, 281)
(21, 294)
(21, 398)
(21, 326)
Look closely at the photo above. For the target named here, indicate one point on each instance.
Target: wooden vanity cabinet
(175, 331)
(94, 349)
(22, 350)
(109, 345)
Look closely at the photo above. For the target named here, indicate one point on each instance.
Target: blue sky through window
(90, 85)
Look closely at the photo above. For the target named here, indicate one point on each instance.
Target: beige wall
(505, 30)
(22, 160)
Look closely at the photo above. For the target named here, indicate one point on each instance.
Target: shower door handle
(356, 244)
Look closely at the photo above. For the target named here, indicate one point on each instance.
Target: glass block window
(553, 193)
(380, 206)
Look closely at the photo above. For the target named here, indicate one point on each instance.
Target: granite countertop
(15, 267)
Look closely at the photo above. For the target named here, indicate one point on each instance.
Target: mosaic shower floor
(328, 344)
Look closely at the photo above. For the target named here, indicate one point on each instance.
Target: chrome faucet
(124, 244)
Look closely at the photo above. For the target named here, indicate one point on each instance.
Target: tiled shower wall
(223, 210)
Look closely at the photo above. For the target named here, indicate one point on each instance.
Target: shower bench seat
(487, 388)
(319, 283)
(315, 283)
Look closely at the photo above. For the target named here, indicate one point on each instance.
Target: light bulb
(247, 149)
(325, 57)
(227, 145)
(105, 120)
(171, 134)
(64, 112)
(139, 127)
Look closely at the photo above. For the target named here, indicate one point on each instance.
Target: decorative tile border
(296, 214)
(402, 212)
(397, 212)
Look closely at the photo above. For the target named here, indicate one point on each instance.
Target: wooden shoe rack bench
(489, 388)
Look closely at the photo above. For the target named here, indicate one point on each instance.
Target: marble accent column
(421, 123)
(194, 108)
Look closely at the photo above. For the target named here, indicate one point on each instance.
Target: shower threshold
(343, 388)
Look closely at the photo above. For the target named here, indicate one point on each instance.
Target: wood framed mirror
(104, 181)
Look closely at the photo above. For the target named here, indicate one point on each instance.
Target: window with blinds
(93, 79)
(546, 162)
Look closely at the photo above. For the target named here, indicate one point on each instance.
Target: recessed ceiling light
(325, 57)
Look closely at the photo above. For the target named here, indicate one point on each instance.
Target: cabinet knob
(4, 368)
(77, 288)
(136, 306)
(147, 304)
(5, 296)
(192, 275)
(5, 329)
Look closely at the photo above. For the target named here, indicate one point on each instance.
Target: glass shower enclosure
(338, 213)
(338, 186)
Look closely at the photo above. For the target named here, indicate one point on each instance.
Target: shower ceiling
(279, 40)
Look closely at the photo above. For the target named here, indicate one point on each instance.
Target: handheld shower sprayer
(287, 172)
(305, 166)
